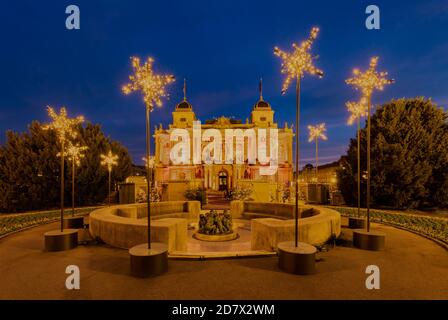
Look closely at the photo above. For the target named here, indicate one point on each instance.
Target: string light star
(357, 110)
(299, 61)
(317, 132)
(64, 126)
(294, 65)
(151, 161)
(65, 129)
(109, 160)
(152, 85)
(75, 153)
(369, 80)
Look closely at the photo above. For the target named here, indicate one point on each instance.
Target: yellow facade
(221, 176)
(326, 173)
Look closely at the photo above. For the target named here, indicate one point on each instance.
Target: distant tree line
(409, 157)
(30, 169)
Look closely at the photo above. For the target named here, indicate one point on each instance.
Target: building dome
(184, 105)
(261, 104)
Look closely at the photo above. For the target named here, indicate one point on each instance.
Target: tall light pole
(357, 110)
(150, 166)
(368, 82)
(75, 153)
(294, 65)
(292, 257)
(315, 133)
(153, 88)
(65, 129)
(109, 160)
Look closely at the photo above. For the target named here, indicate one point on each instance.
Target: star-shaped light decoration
(64, 126)
(151, 161)
(75, 153)
(152, 85)
(369, 80)
(65, 129)
(109, 160)
(317, 132)
(299, 61)
(357, 110)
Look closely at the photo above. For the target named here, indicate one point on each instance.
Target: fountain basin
(216, 237)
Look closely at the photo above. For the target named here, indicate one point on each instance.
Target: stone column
(213, 177)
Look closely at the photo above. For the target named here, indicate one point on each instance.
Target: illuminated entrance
(222, 180)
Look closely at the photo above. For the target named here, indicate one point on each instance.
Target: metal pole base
(372, 240)
(149, 262)
(58, 240)
(356, 223)
(297, 260)
(73, 222)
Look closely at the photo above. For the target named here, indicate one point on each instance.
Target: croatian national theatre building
(221, 176)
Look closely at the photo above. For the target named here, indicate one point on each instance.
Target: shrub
(240, 192)
(198, 194)
(433, 227)
(16, 222)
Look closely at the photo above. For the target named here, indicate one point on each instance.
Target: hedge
(432, 227)
(14, 222)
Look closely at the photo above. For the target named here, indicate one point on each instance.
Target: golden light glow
(299, 61)
(370, 80)
(109, 160)
(151, 161)
(75, 153)
(152, 85)
(317, 132)
(64, 126)
(357, 110)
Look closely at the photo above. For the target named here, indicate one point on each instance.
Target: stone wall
(262, 190)
(175, 190)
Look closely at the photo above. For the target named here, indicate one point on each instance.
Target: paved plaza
(412, 267)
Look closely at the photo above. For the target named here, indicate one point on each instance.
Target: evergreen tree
(409, 156)
(29, 169)
(91, 177)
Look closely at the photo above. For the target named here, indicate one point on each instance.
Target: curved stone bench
(273, 223)
(165, 209)
(254, 210)
(125, 226)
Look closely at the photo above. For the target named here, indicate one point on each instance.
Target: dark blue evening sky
(222, 48)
